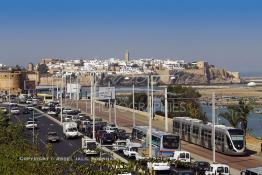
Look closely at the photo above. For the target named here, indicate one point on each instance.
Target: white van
(70, 130)
(183, 156)
(217, 169)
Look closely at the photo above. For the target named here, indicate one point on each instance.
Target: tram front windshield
(237, 136)
(170, 142)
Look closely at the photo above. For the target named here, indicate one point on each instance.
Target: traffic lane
(64, 147)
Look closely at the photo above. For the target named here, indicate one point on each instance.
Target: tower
(126, 56)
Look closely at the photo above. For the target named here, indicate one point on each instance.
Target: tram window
(188, 128)
(177, 125)
(229, 143)
(195, 130)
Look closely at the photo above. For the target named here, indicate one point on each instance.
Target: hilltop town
(170, 71)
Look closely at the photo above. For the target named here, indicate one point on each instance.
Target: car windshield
(203, 164)
(134, 149)
(91, 145)
(52, 134)
(72, 129)
(108, 136)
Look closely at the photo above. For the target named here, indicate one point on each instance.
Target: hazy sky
(227, 33)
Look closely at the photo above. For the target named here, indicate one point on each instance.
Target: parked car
(200, 167)
(52, 137)
(31, 125)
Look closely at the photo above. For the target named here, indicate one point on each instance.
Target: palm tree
(244, 110)
(231, 116)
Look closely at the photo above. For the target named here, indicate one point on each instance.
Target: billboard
(72, 88)
(106, 93)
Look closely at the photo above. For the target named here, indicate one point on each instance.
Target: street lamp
(133, 95)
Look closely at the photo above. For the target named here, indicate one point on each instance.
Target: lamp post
(93, 102)
(133, 94)
(109, 104)
(61, 98)
(213, 126)
(9, 92)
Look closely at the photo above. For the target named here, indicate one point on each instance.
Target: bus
(229, 140)
(164, 143)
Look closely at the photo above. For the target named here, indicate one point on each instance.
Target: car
(252, 171)
(28, 101)
(26, 111)
(3, 110)
(107, 138)
(99, 135)
(30, 107)
(31, 119)
(15, 111)
(217, 168)
(84, 124)
(200, 167)
(31, 125)
(52, 137)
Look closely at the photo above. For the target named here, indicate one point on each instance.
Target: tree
(244, 108)
(231, 116)
(43, 69)
(183, 101)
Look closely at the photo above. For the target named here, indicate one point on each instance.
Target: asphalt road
(62, 148)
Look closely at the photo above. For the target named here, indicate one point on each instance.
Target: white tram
(228, 140)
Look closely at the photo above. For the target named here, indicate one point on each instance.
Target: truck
(89, 146)
(70, 130)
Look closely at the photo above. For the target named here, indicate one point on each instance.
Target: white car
(183, 156)
(3, 109)
(131, 150)
(28, 102)
(31, 125)
(15, 111)
(217, 168)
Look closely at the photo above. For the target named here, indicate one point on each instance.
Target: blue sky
(227, 33)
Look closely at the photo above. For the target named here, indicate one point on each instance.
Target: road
(63, 148)
(124, 119)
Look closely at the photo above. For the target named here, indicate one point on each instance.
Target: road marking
(70, 144)
(43, 142)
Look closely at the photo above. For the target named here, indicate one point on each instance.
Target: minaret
(126, 56)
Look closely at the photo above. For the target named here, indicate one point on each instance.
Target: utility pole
(94, 108)
(61, 99)
(77, 91)
(150, 119)
(213, 126)
(70, 95)
(115, 111)
(109, 103)
(9, 92)
(133, 98)
(166, 111)
(150, 131)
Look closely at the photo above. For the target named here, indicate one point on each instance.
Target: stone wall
(12, 78)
